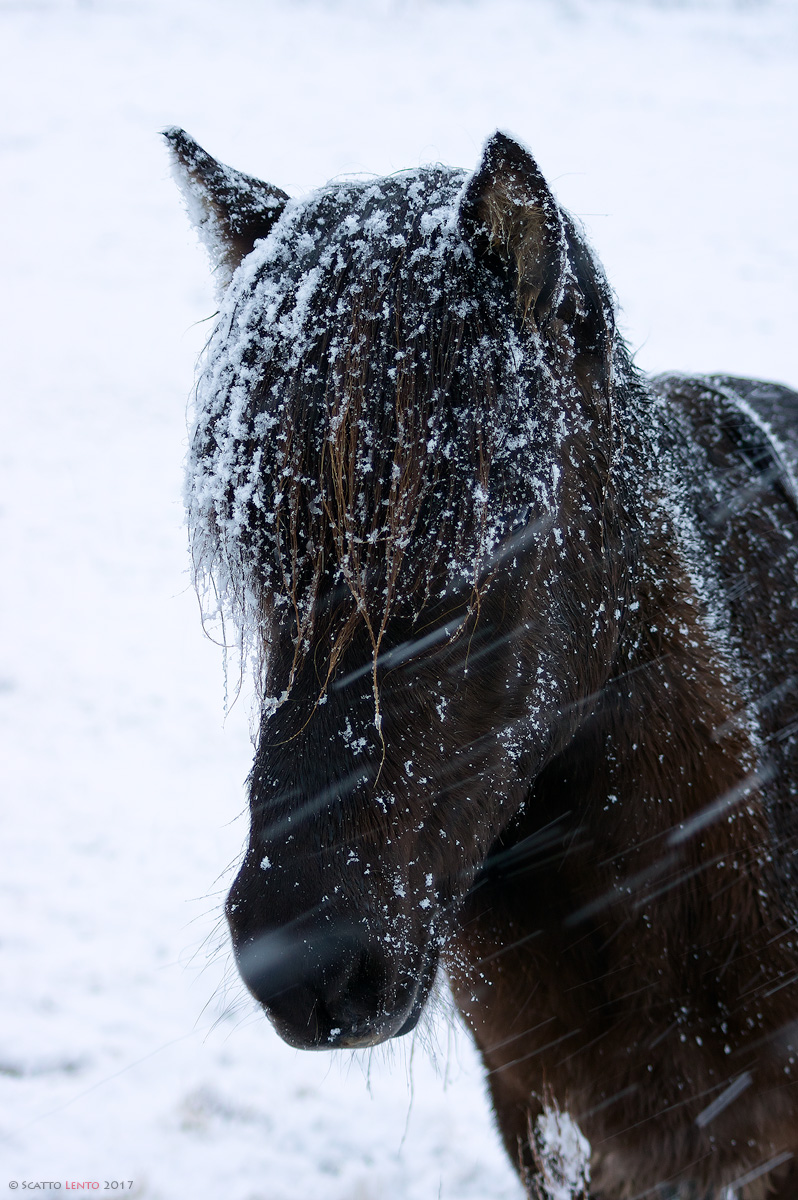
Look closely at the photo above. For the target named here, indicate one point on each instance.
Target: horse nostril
(321, 989)
(270, 964)
(273, 962)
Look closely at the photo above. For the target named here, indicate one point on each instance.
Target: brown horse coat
(525, 626)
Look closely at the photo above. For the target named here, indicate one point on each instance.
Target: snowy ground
(126, 1049)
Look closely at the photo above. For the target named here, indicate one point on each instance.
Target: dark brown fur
(552, 741)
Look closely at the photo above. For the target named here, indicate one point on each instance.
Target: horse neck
(677, 777)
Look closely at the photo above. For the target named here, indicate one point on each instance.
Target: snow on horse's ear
(507, 211)
(230, 210)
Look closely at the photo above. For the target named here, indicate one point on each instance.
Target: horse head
(401, 460)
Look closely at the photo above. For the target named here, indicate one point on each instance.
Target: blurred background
(127, 1050)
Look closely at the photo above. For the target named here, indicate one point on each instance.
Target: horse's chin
(371, 1034)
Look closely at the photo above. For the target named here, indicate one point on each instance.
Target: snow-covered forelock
(355, 374)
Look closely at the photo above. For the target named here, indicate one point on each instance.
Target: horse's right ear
(508, 210)
(230, 210)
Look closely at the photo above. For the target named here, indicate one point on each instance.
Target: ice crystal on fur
(562, 1156)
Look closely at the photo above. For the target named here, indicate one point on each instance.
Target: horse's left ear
(508, 210)
(229, 209)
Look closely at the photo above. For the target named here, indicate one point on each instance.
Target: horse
(523, 622)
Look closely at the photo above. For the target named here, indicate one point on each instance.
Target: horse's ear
(508, 210)
(229, 209)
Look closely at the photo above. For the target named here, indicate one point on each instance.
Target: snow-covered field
(127, 1051)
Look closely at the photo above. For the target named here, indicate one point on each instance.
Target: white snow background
(127, 1050)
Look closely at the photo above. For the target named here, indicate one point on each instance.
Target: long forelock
(348, 417)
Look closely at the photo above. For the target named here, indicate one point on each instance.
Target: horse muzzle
(331, 987)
